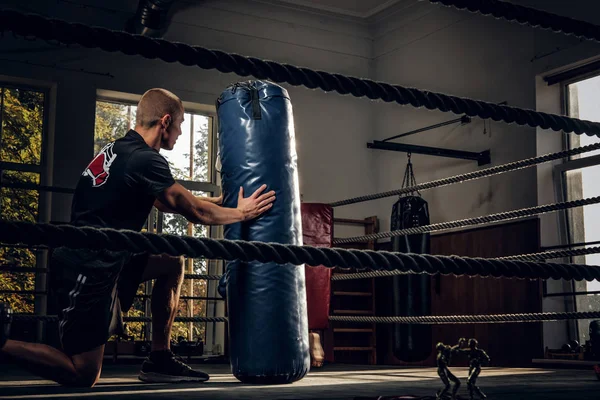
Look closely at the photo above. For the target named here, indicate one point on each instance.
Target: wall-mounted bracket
(482, 158)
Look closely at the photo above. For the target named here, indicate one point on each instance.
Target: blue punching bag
(266, 302)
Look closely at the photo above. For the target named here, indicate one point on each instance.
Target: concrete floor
(330, 382)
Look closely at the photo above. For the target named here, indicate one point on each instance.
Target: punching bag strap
(409, 177)
(256, 114)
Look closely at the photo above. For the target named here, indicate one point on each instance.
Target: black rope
(543, 256)
(429, 320)
(137, 242)
(470, 319)
(527, 16)
(112, 41)
(54, 318)
(500, 169)
(485, 219)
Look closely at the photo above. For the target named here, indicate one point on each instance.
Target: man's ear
(166, 120)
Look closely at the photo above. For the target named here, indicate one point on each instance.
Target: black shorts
(93, 288)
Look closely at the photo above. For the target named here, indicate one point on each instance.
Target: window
(22, 140)
(191, 163)
(577, 179)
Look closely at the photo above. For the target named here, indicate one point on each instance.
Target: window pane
(19, 204)
(189, 158)
(22, 126)
(113, 120)
(584, 97)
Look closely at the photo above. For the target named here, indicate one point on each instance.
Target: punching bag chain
(409, 180)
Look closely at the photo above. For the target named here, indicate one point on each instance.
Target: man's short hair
(154, 104)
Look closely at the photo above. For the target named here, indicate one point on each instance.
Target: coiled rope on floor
(511, 166)
(470, 319)
(137, 242)
(543, 256)
(109, 40)
(498, 217)
(527, 16)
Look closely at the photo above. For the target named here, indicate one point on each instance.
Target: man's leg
(168, 272)
(50, 363)
(161, 366)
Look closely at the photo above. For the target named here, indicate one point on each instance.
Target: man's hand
(253, 206)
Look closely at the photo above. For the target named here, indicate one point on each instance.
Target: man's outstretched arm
(161, 207)
(198, 211)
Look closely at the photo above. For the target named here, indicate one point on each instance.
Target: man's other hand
(253, 206)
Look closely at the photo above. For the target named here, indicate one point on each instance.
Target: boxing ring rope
(427, 320)
(527, 16)
(112, 41)
(498, 217)
(137, 242)
(546, 255)
(511, 166)
(6, 268)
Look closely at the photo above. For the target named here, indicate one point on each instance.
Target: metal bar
(352, 221)
(199, 186)
(583, 162)
(21, 167)
(482, 158)
(594, 292)
(36, 292)
(148, 296)
(464, 119)
(22, 270)
(568, 246)
(33, 186)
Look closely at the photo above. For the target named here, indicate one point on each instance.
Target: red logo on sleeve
(99, 169)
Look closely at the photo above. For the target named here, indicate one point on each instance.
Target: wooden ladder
(352, 341)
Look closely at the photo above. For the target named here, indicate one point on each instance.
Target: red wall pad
(317, 231)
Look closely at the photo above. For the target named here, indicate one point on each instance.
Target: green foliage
(21, 142)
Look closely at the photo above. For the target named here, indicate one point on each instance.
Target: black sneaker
(5, 320)
(163, 367)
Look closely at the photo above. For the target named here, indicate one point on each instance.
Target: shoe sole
(153, 377)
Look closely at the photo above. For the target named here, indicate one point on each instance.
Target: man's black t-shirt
(118, 188)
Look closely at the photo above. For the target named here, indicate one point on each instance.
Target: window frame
(45, 170)
(559, 176)
(215, 334)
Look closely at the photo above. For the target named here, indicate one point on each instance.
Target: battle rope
(512, 166)
(109, 40)
(429, 320)
(543, 256)
(137, 242)
(529, 16)
(503, 216)
(470, 319)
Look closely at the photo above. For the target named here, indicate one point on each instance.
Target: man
(117, 190)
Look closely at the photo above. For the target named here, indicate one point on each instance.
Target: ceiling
(351, 8)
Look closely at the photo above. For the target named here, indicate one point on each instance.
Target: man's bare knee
(160, 266)
(87, 368)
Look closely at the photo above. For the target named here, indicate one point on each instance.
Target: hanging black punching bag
(411, 293)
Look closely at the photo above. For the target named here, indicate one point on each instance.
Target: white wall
(327, 125)
(455, 52)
